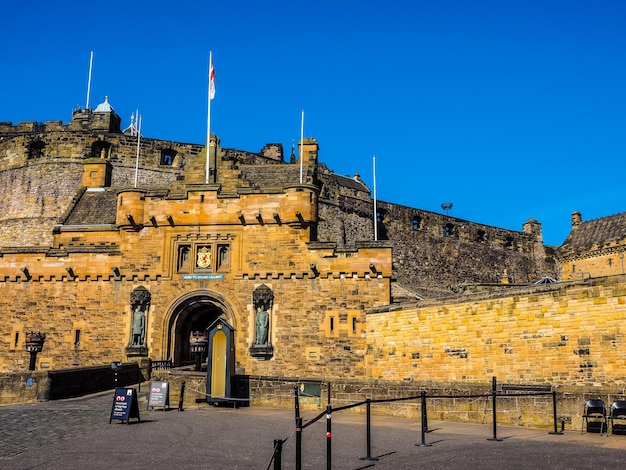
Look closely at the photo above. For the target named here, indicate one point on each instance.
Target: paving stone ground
(76, 434)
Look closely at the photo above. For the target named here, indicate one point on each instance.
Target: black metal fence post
(368, 430)
(181, 399)
(298, 430)
(329, 437)
(278, 450)
(556, 431)
(298, 443)
(493, 396)
(423, 412)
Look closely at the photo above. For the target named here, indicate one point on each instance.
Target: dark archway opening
(194, 315)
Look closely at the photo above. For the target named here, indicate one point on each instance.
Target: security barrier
(505, 391)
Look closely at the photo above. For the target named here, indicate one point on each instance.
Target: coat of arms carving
(204, 257)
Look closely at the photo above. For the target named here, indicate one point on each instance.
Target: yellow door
(218, 366)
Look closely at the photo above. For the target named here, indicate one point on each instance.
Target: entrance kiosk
(221, 362)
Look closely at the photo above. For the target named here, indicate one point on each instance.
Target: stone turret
(102, 118)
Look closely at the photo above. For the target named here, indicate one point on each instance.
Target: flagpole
(138, 144)
(89, 80)
(301, 143)
(375, 209)
(208, 122)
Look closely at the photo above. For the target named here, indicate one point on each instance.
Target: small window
(508, 242)
(17, 338)
(167, 157)
(183, 258)
(353, 324)
(417, 223)
(223, 257)
(76, 338)
(36, 149)
(100, 149)
(332, 324)
(448, 230)
(480, 236)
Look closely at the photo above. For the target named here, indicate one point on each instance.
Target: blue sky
(507, 109)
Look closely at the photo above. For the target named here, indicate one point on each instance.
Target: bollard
(424, 421)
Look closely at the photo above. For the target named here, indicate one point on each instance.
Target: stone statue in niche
(140, 303)
(263, 298)
(262, 326)
(139, 326)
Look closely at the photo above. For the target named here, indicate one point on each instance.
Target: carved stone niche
(263, 301)
(140, 299)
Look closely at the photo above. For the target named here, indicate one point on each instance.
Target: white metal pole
(375, 209)
(301, 143)
(208, 123)
(89, 80)
(138, 146)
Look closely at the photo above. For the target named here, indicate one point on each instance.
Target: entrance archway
(195, 311)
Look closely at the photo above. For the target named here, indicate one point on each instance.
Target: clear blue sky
(507, 109)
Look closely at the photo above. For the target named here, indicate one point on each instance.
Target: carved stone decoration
(198, 344)
(263, 301)
(140, 299)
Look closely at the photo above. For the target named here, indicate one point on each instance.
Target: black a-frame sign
(125, 405)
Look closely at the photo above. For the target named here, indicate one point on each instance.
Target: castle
(126, 249)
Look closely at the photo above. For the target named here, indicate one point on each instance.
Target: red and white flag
(211, 80)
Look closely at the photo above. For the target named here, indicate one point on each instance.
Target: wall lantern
(34, 344)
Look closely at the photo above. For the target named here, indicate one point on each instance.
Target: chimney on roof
(577, 219)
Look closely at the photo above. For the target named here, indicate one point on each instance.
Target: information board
(159, 395)
(125, 405)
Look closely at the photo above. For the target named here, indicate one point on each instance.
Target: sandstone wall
(567, 336)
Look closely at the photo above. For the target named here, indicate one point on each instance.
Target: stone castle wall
(568, 336)
(99, 310)
(433, 254)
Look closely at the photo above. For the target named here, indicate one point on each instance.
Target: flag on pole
(208, 121)
(135, 123)
(211, 80)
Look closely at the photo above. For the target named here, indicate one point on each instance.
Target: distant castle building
(111, 270)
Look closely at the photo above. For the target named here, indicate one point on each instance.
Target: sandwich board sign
(159, 395)
(125, 405)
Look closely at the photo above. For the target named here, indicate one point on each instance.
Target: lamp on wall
(71, 272)
(131, 219)
(26, 273)
(373, 268)
(170, 220)
(241, 218)
(116, 272)
(153, 221)
(259, 217)
(33, 345)
(276, 216)
(314, 270)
